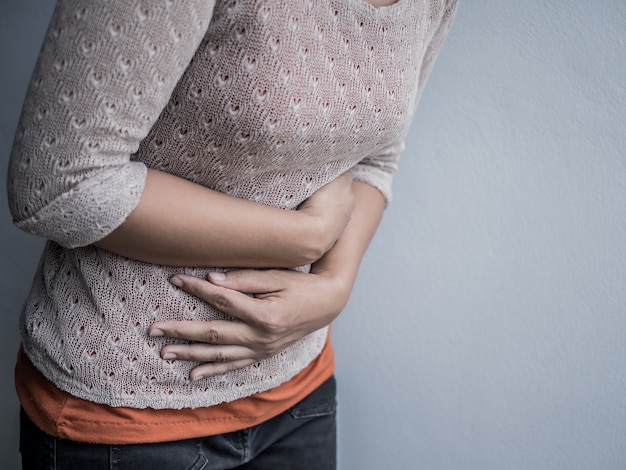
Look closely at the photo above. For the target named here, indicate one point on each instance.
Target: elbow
(310, 253)
(313, 245)
(79, 214)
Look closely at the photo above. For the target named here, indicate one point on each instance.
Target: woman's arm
(286, 306)
(178, 222)
(104, 75)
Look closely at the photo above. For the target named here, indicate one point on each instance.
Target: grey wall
(22, 27)
(487, 331)
(487, 328)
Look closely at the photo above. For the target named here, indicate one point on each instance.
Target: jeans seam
(54, 453)
(112, 460)
(322, 409)
(243, 436)
(201, 454)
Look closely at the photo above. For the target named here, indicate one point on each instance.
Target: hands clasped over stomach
(284, 307)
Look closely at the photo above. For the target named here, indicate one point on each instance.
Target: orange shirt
(62, 415)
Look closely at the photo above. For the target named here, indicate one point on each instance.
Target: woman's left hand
(286, 306)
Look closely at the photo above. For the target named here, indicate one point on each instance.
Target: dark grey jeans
(302, 438)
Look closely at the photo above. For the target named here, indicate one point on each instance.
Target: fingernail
(217, 276)
(200, 377)
(157, 333)
(176, 281)
(169, 355)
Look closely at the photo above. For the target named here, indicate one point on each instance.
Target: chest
(276, 86)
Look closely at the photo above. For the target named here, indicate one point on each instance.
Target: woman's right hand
(285, 305)
(330, 208)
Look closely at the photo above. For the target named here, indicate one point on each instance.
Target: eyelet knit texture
(259, 99)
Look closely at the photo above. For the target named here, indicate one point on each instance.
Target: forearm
(341, 263)
(285, 307)
(181, 223)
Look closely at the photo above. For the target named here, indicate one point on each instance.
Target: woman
(159, 147)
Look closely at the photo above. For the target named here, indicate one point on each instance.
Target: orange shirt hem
(62, 415)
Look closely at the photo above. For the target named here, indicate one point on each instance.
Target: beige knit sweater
(261, 99)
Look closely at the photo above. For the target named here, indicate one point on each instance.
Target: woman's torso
(280, 98)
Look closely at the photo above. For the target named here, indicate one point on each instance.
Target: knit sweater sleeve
(105, 72)
(378, 168)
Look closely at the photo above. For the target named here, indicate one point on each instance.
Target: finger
(203, 352)
(213, 368)
(217, 332)
(251, 281)
(228, 301)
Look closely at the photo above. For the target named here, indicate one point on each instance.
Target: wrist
(339, 279)
(310, 237)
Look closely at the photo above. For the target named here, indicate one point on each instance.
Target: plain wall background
(487, 328)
